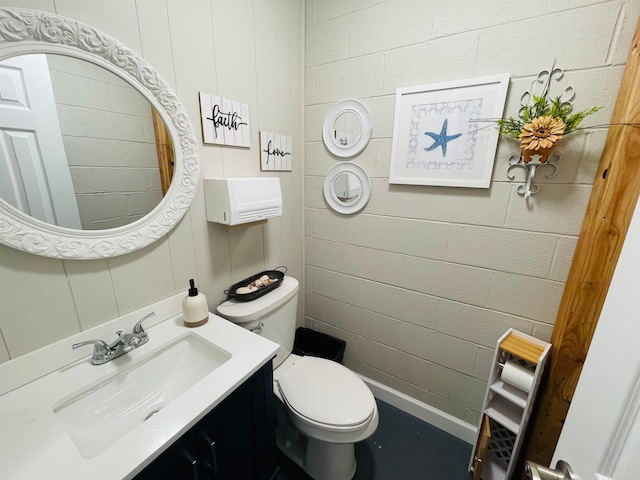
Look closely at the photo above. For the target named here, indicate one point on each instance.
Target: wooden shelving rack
(506, 409)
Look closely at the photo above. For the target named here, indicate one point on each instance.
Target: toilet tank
(276, 311)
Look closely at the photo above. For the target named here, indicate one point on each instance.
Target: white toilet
(324, 407)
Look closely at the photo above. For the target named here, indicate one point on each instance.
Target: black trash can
(317, 344)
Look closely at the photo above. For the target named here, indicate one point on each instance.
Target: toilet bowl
(325, 400)
(323, 408)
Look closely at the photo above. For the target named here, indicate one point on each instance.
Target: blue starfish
(441, 139)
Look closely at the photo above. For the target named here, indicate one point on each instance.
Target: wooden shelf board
(522, 348)
(511, 393)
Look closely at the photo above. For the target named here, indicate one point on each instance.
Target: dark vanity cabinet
(236, 440)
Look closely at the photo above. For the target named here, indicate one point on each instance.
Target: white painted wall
(245, 50)
(424, 280)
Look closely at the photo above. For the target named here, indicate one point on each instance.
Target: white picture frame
(224, 121)
(275, 152)
(445, 134)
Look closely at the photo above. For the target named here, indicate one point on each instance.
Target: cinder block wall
(424, 280)
(108, 136)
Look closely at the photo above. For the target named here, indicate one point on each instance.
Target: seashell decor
(263, 281)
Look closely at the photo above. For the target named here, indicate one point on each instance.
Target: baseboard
(424, 412)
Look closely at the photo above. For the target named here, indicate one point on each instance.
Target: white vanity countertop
(34, 443)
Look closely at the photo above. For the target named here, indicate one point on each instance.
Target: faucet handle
(101, 349)
(137, 328)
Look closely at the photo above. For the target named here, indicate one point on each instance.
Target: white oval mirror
(347, 187)
(107, 65)
(347, 128)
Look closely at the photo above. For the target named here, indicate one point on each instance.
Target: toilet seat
(326, 394)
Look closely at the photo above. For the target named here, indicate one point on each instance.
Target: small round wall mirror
(347, 128)
(347, 187)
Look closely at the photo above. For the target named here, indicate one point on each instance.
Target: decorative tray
(275, 278)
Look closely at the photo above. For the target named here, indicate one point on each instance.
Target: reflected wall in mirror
(347, 187)
(113, 127)
(99, 166)
(347, 128)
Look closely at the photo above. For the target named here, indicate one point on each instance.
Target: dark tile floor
(404, 448)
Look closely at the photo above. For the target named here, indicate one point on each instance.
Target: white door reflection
(347, 187)
(34, 174)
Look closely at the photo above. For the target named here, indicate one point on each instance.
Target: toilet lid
(326, 392)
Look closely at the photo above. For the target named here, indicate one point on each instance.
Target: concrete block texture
(389, 25)
(327, 41)
(322, 253)
(354, 351)
(322, 309)
(526, 296)
(460, 388)
(557, 209)
(401, 303)
(501, 249)
(420, 238)
(425, 279)
(418, 393)
(413, 65)
(476, 324)
(354, 77)
(439, 348)
(579, 38)
(407, 367)
(328, 9)
(77, 122)
(458, 16)
(443, 204)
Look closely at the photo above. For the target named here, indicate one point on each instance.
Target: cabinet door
(233, 440)
(179, 462)
(479, 455)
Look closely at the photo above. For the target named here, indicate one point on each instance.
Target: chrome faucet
(104, 352)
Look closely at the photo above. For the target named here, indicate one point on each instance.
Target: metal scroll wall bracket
(540, 87)
(527, 188)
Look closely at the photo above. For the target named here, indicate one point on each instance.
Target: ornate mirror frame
(25, 31)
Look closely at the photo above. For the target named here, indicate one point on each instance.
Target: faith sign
(224, 122)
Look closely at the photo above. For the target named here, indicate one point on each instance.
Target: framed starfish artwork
(441, 135)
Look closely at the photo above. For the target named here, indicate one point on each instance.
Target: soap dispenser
(195, 311)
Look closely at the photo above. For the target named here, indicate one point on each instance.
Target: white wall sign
(275, 152)
(224, 122)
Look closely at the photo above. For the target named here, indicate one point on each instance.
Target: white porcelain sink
(98, 415)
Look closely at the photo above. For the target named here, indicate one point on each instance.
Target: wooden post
(164, 149)
(615, 193)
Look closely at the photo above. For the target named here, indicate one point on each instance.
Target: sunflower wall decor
(542, 122)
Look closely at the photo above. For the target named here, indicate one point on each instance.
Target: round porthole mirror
(347, 128)
(347, 187)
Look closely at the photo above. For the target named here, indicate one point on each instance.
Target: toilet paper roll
(517, 375)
